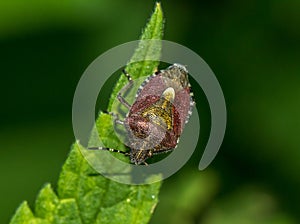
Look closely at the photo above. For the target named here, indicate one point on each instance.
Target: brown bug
(156, 119)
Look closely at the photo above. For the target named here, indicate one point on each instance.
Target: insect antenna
(109, 149)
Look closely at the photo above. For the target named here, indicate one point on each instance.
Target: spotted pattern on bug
(156, 119)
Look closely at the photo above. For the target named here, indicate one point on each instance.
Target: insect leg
(108, 149)
(116, 118)
(123, 90)
(161, 151)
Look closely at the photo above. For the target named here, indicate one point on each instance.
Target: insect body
(157, 117)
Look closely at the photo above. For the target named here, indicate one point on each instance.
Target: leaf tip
(77, 142)
(158, 6)
(46, 202)
(22, 214)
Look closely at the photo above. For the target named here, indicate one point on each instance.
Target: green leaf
(25, 215)
(83, 198)
(46, 203)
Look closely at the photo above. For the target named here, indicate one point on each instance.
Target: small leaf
(46, 203)
(24, 215)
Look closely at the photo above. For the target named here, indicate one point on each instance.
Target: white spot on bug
(153, 196)
(177, 143)
(169, 94)
(146, 81)
(128, 200)
(189, 114)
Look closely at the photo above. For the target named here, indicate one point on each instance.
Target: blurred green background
(252, 46)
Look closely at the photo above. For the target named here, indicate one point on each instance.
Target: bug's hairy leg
(162, 151)
(116, 118)
(108, 149)
(124, 89)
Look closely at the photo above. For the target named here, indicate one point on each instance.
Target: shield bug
(156, 119)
